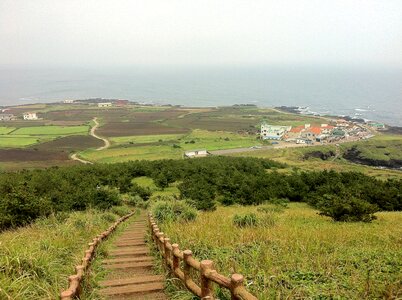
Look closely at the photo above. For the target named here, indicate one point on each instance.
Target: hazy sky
(206, 32)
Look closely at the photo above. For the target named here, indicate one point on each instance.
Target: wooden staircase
(130, 265)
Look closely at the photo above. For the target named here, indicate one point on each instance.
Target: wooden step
(132, 248)
(129, 252)
(132, 239)
(132, 281)
(127, 259)
(130, 243)
(135, 289)
(131, 235)
(130, 265)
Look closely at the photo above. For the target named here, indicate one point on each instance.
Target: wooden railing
(173, 257)
(74, 288)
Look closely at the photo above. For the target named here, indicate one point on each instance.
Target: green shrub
(173, 211)
(245, 220)
(109, 217)
(105, 198)
(132, 200)
(20, 207)
(120, 210)
(143, 192)
(347, 209)
(205, 205)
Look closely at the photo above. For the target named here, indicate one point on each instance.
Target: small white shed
(196, 153)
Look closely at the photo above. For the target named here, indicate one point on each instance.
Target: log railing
(173, 257)
(74, 288)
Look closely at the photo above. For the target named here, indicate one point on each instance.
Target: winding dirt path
(75, 157)
(92, 132)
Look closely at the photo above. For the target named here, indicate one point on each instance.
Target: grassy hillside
(37, 260)
(298, 254)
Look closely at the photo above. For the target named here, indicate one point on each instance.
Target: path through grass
(35, 261)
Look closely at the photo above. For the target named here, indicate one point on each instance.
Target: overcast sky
(201, 32)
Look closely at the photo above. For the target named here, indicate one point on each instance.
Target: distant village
(334, 131)
(8, 114)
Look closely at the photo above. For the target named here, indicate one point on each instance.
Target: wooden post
(160, 238)
(66, 295)
(206, 284)
(167, 251)
(175, 260)
(186, 267)
(236, 280)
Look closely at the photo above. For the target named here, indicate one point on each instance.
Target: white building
(30, 116)
(271, 132)
(68, 101)
(196, 153)
(105, 104)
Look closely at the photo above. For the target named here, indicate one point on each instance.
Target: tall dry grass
(35, 261)
(300, 254)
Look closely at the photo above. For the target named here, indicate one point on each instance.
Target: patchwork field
(173, 146)
(152, 132)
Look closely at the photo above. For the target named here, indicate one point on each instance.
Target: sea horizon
(371, 93)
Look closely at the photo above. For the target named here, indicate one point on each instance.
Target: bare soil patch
(19, 155)
(69, 143)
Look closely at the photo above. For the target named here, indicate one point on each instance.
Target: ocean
(368, 93)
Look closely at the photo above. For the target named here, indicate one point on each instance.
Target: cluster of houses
(5, 115)
(309, 134)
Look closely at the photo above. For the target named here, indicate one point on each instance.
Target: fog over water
(370, 93)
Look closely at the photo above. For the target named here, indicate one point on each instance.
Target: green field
(52, 130)
(144, 139)
(6, 130)
(11, 141)
(112, 155)
(298, 254)
(198, 139)
(215, 140)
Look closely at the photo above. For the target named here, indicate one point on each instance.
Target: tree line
(205, 182)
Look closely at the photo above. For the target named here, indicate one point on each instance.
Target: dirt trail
(75, 157)
(130, 263)
(92, 132)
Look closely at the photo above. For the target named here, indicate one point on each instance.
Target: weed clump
(170, 211)
(109, 217)
(245, 220)
(120, 210)
(137, 201)
(251, 220)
